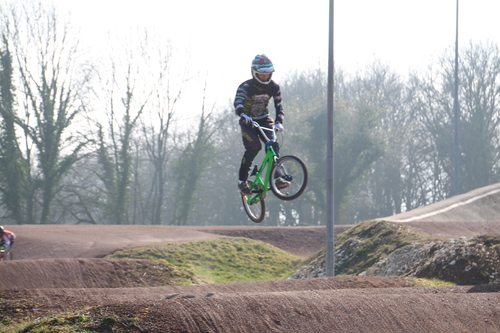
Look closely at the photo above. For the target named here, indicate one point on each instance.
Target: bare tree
(139, 97)
(432, 98)
(157, 126)
(356, 145)
(480, 107)
(190, 167)
(114, 150)
(45, 52)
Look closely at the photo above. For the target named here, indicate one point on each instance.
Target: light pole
(330, 203)
(456, 120)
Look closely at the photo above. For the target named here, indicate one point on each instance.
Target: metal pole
(456, 112)
(330, 234)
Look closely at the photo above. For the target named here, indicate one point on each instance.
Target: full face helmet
(262, 69)
(1, 231)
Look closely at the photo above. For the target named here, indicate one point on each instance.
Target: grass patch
(64, 323)
(221, 260)
(419, 282)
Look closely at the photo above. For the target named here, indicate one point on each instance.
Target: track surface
(58, 267)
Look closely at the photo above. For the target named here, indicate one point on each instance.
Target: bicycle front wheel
(293, 178)
(6, 255)
(254, 207)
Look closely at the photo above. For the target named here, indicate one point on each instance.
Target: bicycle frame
(260, 186)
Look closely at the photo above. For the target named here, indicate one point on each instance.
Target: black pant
(252, 143)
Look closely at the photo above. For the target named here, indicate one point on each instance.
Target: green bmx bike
(285, 176)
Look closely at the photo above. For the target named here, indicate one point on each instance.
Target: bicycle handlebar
(261, 129)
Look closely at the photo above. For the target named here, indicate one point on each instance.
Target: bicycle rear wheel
(293, 170)
(255, 207)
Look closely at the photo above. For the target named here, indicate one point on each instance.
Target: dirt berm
(48, 256)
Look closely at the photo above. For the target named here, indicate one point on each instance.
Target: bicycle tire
(6, 256)
(292, 169)
(255, 211)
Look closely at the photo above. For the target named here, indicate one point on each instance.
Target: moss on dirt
(63, 323)
(490, 241)
(420, 282)
(368, 242)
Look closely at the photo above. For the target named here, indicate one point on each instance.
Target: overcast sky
(223, 36)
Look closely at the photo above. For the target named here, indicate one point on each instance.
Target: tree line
(99, 139)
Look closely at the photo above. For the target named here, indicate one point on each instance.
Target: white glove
(278, 127)
(246, 119)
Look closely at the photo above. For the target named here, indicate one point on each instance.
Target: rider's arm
(239, 100)
(280, 112)
(6, 241)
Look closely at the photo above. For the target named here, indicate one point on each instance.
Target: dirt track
(340, 304)
(36, 285)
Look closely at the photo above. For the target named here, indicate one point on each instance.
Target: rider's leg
(252, 146)
(246, 163)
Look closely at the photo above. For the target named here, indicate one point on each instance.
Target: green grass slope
(220, 261)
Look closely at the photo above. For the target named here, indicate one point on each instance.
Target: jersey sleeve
(5, 241)
(280, 112)
(239, 100)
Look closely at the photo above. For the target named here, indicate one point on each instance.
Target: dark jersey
(252, 98)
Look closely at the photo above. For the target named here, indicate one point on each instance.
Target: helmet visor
(269, 69)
